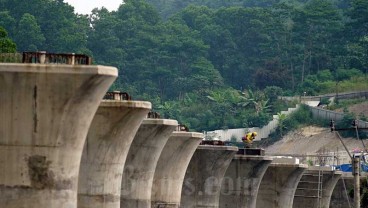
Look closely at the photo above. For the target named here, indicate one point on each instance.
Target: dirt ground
(314, 139)
(310, 140)
(357, 109)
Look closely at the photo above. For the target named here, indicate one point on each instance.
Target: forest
(210, 64)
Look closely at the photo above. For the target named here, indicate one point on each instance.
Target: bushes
(326, 82)
(346, 123)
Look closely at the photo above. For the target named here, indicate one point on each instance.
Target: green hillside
(212, 65)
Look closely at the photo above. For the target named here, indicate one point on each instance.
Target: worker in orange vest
(248, 139)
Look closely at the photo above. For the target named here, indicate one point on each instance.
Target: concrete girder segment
(242, 179)
(46, 111)
(141, 161)
(171, 167)
(315, 187)
(203, 178)
(105, 151)
(279, 184)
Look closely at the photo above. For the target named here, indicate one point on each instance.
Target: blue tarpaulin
(349, 168)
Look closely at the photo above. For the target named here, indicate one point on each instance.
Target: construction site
(67, 142)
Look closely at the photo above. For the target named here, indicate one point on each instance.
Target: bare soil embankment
(312, 139)
(357, 109)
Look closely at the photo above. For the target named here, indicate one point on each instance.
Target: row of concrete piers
(63, 146)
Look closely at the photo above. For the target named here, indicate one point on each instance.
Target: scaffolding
(311, 186)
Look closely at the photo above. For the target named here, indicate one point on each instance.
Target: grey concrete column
(141, 162)
(242, 179)
(203, 178)
(108, 141)
(279, 184)
(315, 187)
(171, 167)
(340, 196)
(45, 113)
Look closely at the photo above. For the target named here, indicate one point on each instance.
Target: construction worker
(248, 139)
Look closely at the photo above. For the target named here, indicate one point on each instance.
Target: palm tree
(255, 100)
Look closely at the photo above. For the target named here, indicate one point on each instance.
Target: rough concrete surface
(315, 187)
(108, 141)
(141, 161)
(45, 113)
(279, 184)
(340, 197)
(241, 181)
(171, 168)
(203, 178)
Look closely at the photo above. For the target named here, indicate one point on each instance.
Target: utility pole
(356, 174)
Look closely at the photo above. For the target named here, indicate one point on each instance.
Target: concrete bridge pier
(340, 196)
(108, 141)
(141, 161)
(279, 184)
(203, 178)
(171, 167)
(242, 179)
(315, 187)
(45, 113)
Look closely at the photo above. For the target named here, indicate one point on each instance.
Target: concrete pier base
(279, 184)
(141, 162)
(315, 187)
(45, 112)
(171, 167)
(108, 141)
(340, 197)
(242, 179)
(203, 178)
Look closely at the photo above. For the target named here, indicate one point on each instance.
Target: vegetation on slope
(214, 65)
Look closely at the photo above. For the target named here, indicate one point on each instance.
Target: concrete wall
(203, 178)
(241, 182)
(171, 168)
(278, 185)
(315, 187)
(141, 161)
(263, 132)
(340, 196)
(336, 116)
(45, 113)
(108, 141)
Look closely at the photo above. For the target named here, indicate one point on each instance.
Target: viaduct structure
(63, 146)
(242, 179)
(46, 111)
(171, 168)
(315, 187)
(279, 183)
(106, 148)
(204, 175)
(142, 159)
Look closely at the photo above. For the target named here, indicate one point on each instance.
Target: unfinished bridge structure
(66, 142)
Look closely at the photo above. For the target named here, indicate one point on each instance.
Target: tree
(281, 126)
(103, 40)
(317, 26)
(7, 22)
(29, 36)
(6, 44)
(359, 19)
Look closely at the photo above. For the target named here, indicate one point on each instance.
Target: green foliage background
(209, 64)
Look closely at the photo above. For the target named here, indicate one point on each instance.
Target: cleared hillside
(311, 139)
(357, 109)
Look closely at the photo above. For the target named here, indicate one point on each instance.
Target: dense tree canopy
(6, 44)
(211, 63)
